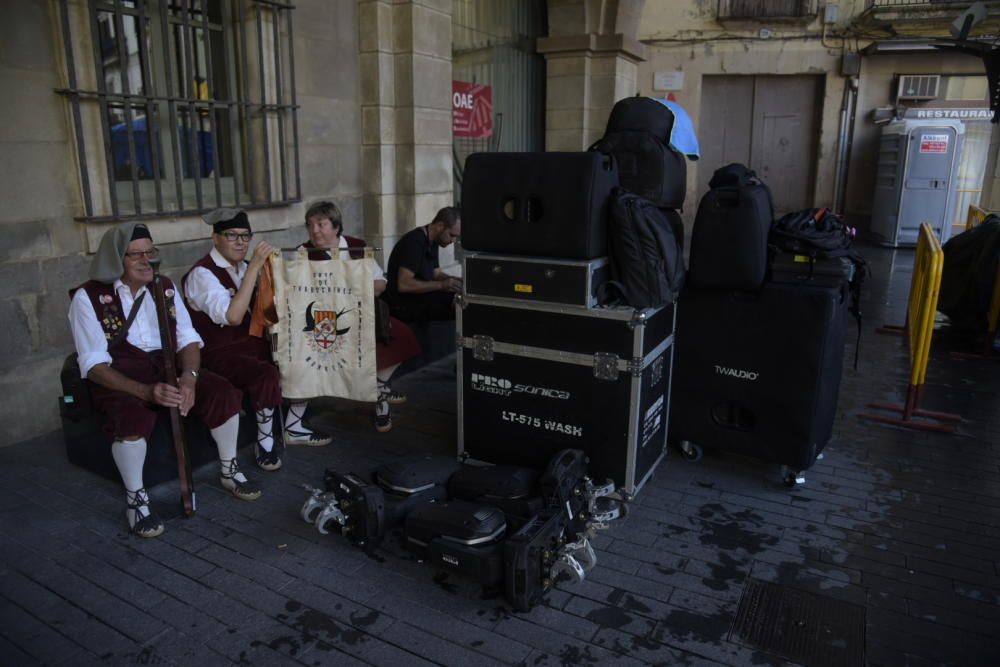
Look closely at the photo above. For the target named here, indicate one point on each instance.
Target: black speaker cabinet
(759, 372)
(537, 204)
(535, 378)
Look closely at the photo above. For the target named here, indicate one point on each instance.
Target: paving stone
(447, 626)
(610, 616)
(172, 647)
(432, 649)
(630, 583)
(67, 619)
(646, 649)
(906, 524)
(234, 646)
(31, 637)
(567, 649)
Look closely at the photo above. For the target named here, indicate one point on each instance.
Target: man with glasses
(220, 291)
(418, 290)
(119, 351)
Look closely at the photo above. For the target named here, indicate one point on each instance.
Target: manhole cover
(804, 627)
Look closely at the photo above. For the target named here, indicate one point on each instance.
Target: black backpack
(729, 237)
(638, 136)
(647, 262)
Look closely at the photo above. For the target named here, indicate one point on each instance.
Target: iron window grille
(911, 3)
(748, 9)
(190, 106)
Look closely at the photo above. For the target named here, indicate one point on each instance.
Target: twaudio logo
(737, 373)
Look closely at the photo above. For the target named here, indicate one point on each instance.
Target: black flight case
(536, 377)
(758, 373)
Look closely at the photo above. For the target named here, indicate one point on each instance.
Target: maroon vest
(217, 337)
(355, 249)
(111, 315)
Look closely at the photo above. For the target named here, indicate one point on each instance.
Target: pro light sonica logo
(490, 384)
(736, 373)
(504, 387)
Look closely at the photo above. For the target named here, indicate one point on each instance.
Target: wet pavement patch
(609, 617)
(804, 627)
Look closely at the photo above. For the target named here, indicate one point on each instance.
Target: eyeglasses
(232, 237)
(148, 254)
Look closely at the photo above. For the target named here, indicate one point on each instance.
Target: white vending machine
(915, 179)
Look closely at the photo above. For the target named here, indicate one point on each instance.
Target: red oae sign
(471, 109)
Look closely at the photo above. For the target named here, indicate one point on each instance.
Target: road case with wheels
(535, 378)
(759, 372)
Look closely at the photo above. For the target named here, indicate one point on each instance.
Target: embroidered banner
(325, 332)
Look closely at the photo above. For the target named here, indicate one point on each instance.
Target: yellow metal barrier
(920, 315)
(976, 216)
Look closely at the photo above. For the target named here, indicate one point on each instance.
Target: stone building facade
(373, 84)
(371, 127)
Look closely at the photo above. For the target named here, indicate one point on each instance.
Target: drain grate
(804, 627)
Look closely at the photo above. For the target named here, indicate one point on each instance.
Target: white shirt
(377, 272)
(207, 295)
(88, 335)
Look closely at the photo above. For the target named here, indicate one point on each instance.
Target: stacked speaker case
(541, 365)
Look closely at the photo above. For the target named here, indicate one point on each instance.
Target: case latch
(605, 366)
(482, 348)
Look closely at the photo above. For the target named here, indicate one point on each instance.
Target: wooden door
(771, 124)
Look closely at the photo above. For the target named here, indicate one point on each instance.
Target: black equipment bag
(638, 136)
(759, 373)
(647, 261)
(409, 483)
(461, 536)
(529, 555)
(539, 204)
(512, 489)
(969, 274)
(729, 238)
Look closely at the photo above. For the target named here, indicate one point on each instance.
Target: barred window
(733, 9)
(187, 105)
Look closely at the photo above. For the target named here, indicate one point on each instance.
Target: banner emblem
(322, 324)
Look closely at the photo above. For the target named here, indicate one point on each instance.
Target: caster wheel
(792, 479)
(690, 451)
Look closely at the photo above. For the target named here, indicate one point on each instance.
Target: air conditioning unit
(918, 86)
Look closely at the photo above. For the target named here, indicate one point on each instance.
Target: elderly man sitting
(119, 350)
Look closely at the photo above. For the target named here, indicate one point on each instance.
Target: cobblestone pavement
(895, 531)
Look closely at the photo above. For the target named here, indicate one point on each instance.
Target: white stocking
(265, 429)
(129, 456)
(225, 436)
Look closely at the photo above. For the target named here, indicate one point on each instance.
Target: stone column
(592, 58)
(405, 114)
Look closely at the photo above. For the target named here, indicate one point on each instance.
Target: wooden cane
(170, 371)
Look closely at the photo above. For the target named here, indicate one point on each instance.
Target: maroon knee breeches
(247, 365)
(216, 400)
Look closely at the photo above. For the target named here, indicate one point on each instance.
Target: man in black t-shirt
(417, 288)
